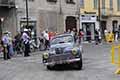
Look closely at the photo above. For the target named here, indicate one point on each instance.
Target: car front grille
(60, 57)
(59, 50)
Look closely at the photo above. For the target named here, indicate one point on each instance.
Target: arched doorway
(71, 23)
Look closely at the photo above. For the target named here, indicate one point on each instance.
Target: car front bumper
(62, 61)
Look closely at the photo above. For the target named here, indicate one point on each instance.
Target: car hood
(63, 45)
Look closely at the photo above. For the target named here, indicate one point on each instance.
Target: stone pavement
(96, 61)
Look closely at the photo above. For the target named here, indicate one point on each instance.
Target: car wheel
(50, 67)
(80, 64)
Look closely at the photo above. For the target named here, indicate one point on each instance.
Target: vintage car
(63, 50)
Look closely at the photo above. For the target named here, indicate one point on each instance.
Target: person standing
(96, 37)
(68, 31)
(88, 32)
(46, 36)
(17, 43)
(106, 33)
(74, 33)
(100, 37)
(80, 35)
(10, 44)
(26, 39)
(1, 47)
(5, 43)
(42, 42)
(116, 36)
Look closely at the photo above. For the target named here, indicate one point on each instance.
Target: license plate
(59, 62)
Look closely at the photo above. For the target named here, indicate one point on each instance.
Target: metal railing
(115, 57)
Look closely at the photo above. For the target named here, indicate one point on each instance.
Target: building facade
(7, 16)
(54, 15)
(103, 12)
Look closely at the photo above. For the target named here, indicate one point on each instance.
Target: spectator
(116, 36)
(42, 42)
(1, 47)
(89, 36)
(80, 34)
(46, 36)
(99, 34)
(5, 43)
(68, 31)
(74, 33)
(11, 52)
(106, 32)
(96, 37)
(26, 39)
(17, 43)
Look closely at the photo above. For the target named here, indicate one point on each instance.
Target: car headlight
(45, 55)
(74, 51)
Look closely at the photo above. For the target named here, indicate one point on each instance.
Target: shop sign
(88, 18)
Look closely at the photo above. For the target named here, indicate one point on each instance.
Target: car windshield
(62, 39)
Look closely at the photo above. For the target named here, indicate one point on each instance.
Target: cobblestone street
(96, 60)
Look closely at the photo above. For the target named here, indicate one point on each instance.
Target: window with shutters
(54, 1)
(70, 2)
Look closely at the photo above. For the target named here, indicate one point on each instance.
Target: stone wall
(46, 14)
(9, 23)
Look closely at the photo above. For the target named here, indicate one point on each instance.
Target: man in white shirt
(100, 36)
(46, 36)
(26, 39)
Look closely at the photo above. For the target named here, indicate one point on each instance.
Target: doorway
(115, 27)
(89, 31)
(71, 23)
(103, 28)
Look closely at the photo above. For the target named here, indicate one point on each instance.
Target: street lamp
(60, 12)
(27, 15)
(99, 18)
(60, 17)
(16, 7)
(99, 12)
(2, 26)
(78, 13)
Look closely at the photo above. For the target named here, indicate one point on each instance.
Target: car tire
(80, 65)
(50, 67)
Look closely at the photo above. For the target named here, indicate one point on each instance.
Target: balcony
(7, 3)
